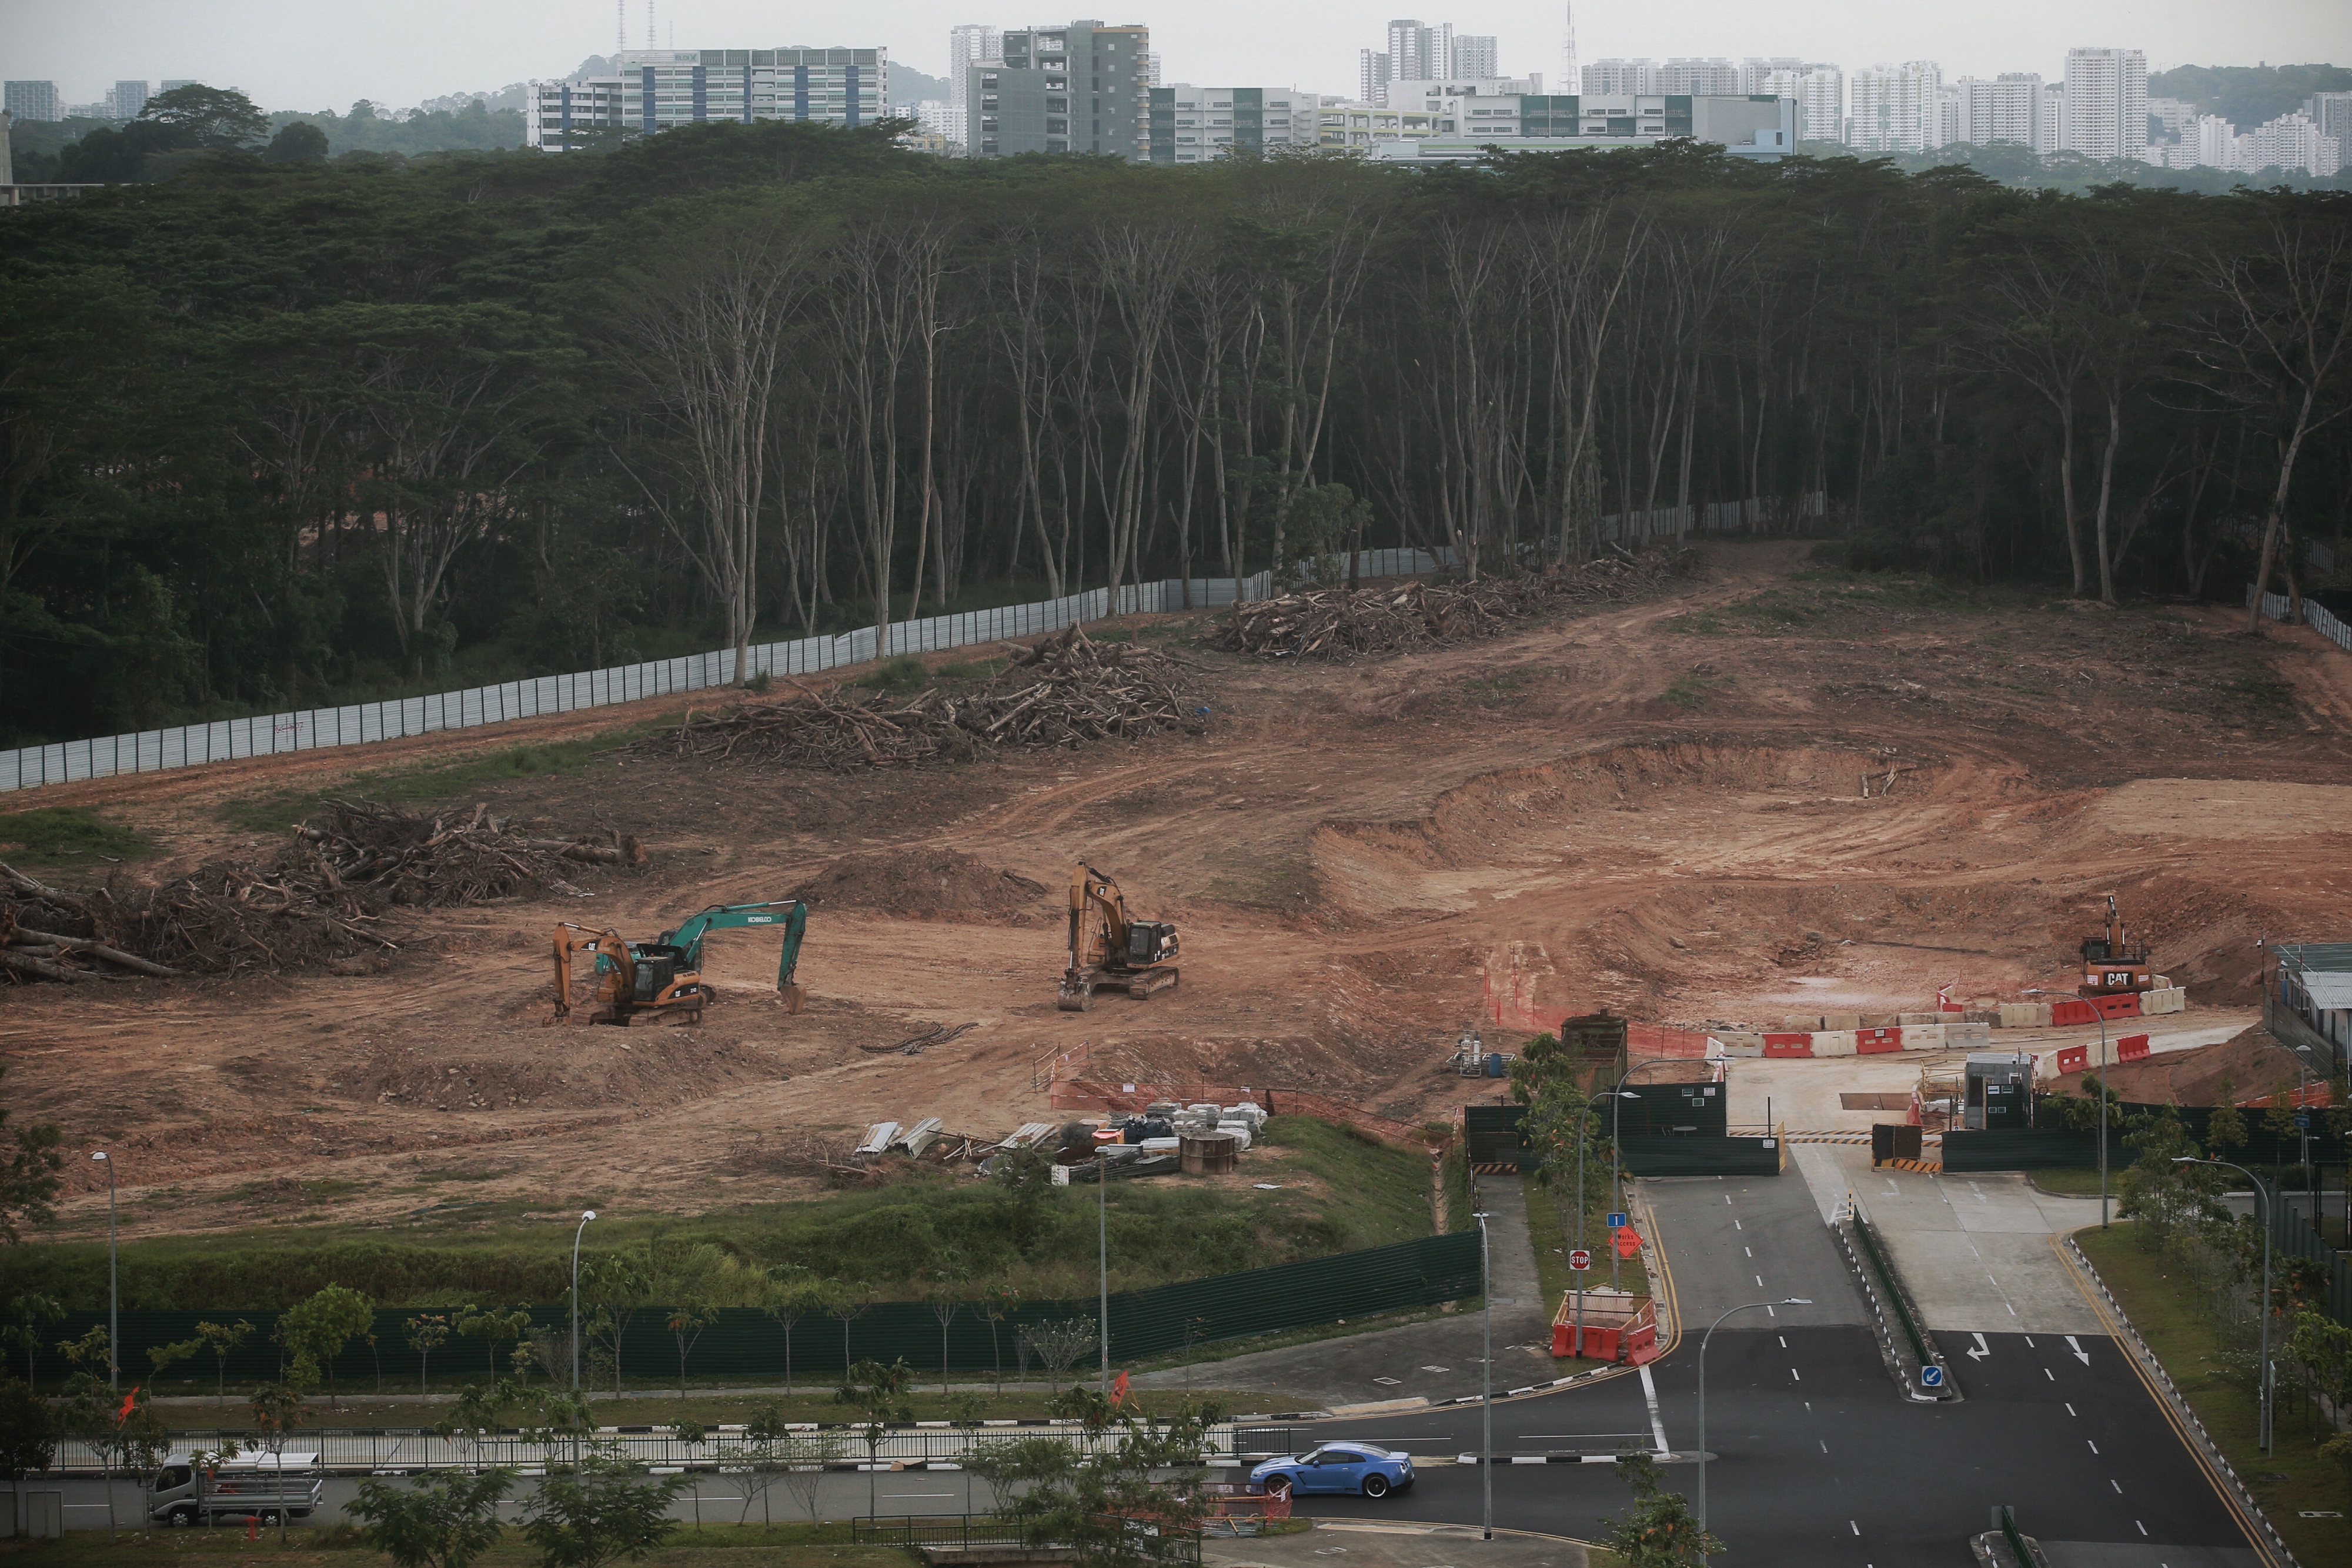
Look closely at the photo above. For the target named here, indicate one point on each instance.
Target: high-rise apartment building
(34, 100)
(1894, 107)
(1086, 87)
(1418, 51)
(655, 89)
(2006, 109)
(1441, 95)
(2173, 115)
(2293, 143)
(1201, 124)
(1714, 77)
(2331, 111)
(2053, 128)
(1476, 54)
(2106, 103)
(1621, 78)
(968, 46)
(1818, 87)
(1374, 71)
(124, 99)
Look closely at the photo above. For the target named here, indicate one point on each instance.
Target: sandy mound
(929, 884)
(2254, 1063)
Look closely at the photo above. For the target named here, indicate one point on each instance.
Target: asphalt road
(1816, 1457)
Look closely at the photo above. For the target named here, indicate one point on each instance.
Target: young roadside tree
(29, 1313)
(315, 1330)
(1096, 1498)
(965, 1413)
(427, 1333)
(29, 1438)
(878, 1393)
(277, 1414)
(439, 1521)
(493, 1328)
(602, 1512)
(1658, 1531)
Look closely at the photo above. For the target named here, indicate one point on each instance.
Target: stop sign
(1579, 1259)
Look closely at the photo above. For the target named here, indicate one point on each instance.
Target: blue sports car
(1340, 1467)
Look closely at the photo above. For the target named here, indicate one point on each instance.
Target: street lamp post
(1616, 1150)
(2104, 1065)
(586, 1215)
(2262, 1203)
(1486, 1371)
(1583, 1112)
(1749, 1307)
(114, 1289)
(1102, 1241)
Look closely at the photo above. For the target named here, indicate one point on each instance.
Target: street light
(1581, 1140)
(585, 1215)
(1749, 1307)
(1102, 1242)
(2261, 1198)
(113, 1291)
(2104, 1065)
(1486, 1371)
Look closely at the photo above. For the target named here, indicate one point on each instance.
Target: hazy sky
(315, 54)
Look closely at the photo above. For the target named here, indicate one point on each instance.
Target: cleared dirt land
(1656, 807)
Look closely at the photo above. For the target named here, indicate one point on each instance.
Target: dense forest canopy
(284, 433)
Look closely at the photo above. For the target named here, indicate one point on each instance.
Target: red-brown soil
(1657, 807)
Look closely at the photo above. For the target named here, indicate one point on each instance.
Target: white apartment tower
(1621, 78)
(1474, 55)
(1374, 71)
(1894, 108)
(2006, 109)
(968, 44)
(2106, 103)
(34, 100)
(1713, 78)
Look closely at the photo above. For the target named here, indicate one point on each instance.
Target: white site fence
(357, 724)
(2314, 614)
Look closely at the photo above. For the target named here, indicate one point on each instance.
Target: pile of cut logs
(1343, 624)
(1063, 692)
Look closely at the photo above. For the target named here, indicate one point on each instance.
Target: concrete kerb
(1903, 1365)
(2152, 1371)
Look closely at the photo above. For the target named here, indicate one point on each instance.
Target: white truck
(263, 1487)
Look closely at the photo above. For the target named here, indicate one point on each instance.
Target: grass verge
(1551, 1221)
(2166, 1308)
(69, 835)
(273, 810)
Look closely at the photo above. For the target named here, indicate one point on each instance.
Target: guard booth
(1998, 1093)
(1595, 1039)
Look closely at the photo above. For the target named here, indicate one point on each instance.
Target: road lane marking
(2094, 1447)
(1760, 1281)
(2049, 1374)
(1982, 1349)
(1737, 1226)
(2143, 1529)
(1793, 1372)
(1749, 1251)
(1650, 1397)
(2070, 1408)
(2080, 1354)
(1825, 1448)
(2116, 1484)
(2029, 1342)
(1855, 1528)
(1784, 1342)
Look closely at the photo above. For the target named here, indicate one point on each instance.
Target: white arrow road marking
(1982, 1349)
(2080, 1354)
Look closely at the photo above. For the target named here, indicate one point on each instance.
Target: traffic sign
(1932, 1376)
(1617, 1221)
(1579, 1259)
(2302, 1120)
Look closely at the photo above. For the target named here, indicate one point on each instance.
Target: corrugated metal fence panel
(2032, 1149)
(1669, 1108)
(746, 1342)
(1491, 1133)
(1651, 1154)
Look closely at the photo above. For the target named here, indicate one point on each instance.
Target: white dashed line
(1794, 1373)
(2070, 1409)
(2049, 1374)
(2116, 1484)
(2142, 1527)
(1852, 1526)
(2094, 1447)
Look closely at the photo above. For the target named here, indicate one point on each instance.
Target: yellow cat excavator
(1108, 949)
(664, 977)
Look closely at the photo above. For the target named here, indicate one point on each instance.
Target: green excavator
(663, 977)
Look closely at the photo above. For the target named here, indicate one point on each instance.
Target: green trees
(1658, 1531)
(493, 414)
(599, 1513)
(315, 1331)
(1089, 1496)
(438, 1521)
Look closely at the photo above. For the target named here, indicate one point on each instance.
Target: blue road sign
(2302, 1120)
(1617, 1221)
(1932, 1376)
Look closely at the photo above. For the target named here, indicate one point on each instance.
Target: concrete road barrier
(2025, 1015)
(1924, 1036)
(1837, 1021)
(2171, 1000)
(1965, 1036)
(1835, 1042)
(1800, 1023)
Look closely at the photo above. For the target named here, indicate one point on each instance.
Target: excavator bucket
(796, 996)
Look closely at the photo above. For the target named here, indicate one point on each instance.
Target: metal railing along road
(394, 1449)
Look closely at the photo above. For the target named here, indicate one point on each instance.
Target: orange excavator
(663, 979)
(1108, 949)
(2112, 965)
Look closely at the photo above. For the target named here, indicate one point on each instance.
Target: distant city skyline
(318, 54)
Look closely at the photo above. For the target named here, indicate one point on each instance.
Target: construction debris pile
(1064, 691)
(439, 862)
(1345, 623)
(325, 900)
(1162, 1140)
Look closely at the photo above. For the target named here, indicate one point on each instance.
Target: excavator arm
(1097, 919)
(789, 913)
(612, 958)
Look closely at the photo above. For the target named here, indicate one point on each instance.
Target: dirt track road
(1658, 807)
